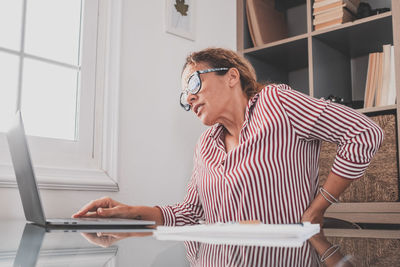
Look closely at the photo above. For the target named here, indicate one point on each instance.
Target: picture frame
(180, 18)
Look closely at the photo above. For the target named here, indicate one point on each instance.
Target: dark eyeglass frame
(197, 89)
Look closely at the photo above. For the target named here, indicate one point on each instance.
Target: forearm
(335, 185)
(326, 250)
(147, 213)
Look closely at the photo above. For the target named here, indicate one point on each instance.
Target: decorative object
(180, 18)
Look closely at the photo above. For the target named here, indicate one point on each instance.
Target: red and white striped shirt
(203, 254)
(272, 175)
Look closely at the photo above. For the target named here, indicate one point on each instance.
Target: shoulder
(271, 93)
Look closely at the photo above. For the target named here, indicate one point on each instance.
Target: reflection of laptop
(30, 252)
(29, 246)
(29, 192)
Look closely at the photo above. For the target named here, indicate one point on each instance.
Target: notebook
(271, 235)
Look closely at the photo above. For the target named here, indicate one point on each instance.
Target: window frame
(101, 173)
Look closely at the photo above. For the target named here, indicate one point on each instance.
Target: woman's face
(210, 102)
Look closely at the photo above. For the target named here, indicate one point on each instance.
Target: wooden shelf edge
(366, 217)
(377, 109)
(351, 23)
(362, 233)
(365, 207)
(277, 43)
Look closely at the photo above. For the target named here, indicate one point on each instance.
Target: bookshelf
(331, 61)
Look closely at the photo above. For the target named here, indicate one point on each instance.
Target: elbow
(377, 136)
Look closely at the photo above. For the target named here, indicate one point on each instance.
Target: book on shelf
(341, 18)
(266, 24)
(380, 89)
(318, 4)
(369, 85)
(340, 13)
(324, 6)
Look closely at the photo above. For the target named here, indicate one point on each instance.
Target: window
(57, 58)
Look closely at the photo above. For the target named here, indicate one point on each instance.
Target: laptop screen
(24, 172)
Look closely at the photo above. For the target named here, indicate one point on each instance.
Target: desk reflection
(204, 254)
(40, 248)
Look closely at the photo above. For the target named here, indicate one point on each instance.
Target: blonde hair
(225, 58)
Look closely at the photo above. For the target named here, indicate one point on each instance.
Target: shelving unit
(330, 61)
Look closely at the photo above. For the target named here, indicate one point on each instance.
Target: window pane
(49, 100)
(52, 29)
(8, 88)
(10, 23)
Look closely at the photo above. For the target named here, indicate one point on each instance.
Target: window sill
(63, 179)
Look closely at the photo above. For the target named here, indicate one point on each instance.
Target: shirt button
(222, 162)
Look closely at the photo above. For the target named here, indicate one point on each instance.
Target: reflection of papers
(271, 235)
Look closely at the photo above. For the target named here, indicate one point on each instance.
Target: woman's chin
(206, 120)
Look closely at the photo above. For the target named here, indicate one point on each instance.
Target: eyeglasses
(194, 86)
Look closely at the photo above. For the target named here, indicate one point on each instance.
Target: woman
(259, 158)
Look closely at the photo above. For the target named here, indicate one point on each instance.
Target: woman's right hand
(104, 207)
(107, 239)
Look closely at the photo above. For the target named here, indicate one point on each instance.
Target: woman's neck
(233, 118)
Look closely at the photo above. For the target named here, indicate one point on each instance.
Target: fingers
(95, 239)
(93, 206)
(120, 236)
(111, 212)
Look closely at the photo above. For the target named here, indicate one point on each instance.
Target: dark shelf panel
(288, 56)
(357, 39)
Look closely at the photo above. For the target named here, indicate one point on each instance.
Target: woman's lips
(197, 109)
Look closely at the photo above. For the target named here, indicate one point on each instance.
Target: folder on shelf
(266, 24)
(391, 100)
(379, 79)
(382, 93)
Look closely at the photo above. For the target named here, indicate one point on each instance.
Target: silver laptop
(29, 192)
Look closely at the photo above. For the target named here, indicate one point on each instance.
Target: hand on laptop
(107, 207)
(104, 207)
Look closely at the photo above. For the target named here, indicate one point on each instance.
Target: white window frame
(103, 174)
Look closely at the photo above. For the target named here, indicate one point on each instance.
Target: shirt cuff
(168, 215)
(348, 169)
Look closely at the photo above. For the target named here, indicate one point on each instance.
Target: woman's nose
(190, 98)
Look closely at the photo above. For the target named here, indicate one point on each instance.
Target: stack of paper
(271, 235)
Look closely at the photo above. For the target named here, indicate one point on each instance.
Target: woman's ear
(233, 77)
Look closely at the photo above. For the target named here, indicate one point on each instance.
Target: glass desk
(29, 245)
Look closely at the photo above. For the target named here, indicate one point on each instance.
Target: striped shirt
(272, 175)
(203, 254)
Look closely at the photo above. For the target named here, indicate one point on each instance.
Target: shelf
(332, 61)
(276, 43)
(288, 54)
(377, 109)
(359, 37)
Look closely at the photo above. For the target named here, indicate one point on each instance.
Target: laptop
(29, 192)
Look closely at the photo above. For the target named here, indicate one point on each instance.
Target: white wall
(156, 137)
